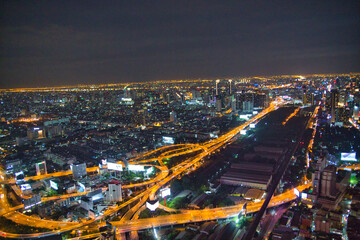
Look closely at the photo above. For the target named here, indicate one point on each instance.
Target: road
(203, 215)
(188, 165)
(274, 183)
(269, 222)
(184, 167)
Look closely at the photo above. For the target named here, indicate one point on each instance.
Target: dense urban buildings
(172, 120)
(219, 156)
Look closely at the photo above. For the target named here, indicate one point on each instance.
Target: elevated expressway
(161, 179)
(203, 215)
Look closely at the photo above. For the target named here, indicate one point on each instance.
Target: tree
(176, 186)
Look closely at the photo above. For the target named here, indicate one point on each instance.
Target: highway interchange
(130, 222)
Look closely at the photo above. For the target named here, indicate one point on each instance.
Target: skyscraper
(308, 98)
(217, 90)
(230, 90)
(233, 103)
(248, 103)
(173, 117)
(334, 100)
(328, 182)
(218, 103)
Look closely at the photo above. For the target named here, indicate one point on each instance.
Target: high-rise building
(230, 90)
(173, 117)
(343, 97)
(194, 94)
(328, 182)
(139, 117)
(316, 176)
(233, 103)
(308, 98)
(356, 113)
(218, 104)
(217, 90)
(267, 97)
(261, 100)
(246, 101)
(35, 133)
(334, 100)
(342, 114)
(113, 194)
(41, 168)
(248, 107)
(79, 170)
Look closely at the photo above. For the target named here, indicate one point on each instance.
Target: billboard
(348, 157)
(297, 193)
(114, 166)
(25, 186)
(243, 132)
(244, 116)
(53, 185)
(18, 174)
(152, 205)
(304, 196)
(136, 168)
(165, 192)
(252, 125)
(168, 140)
(149, 170)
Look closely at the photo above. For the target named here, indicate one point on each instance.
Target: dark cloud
(45, 43)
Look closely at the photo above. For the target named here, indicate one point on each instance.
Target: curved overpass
(190, 164)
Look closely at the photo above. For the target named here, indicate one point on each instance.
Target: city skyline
(168, 159)
(179, 119)
(57, 44)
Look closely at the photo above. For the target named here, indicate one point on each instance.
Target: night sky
(56, 43)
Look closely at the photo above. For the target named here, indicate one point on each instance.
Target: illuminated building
(31, 202)
(173, 117)
(113, 194)
(79, 170)
(334, 100)
(218, 103)
(328, 182)
(356, 113)
(343, 97)
(41, 168)
(230, 90)
(35, 133)
(342, 115)
(233, 103)
(308, 98)
(246, 101)
(217, 90)
(139, 117)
